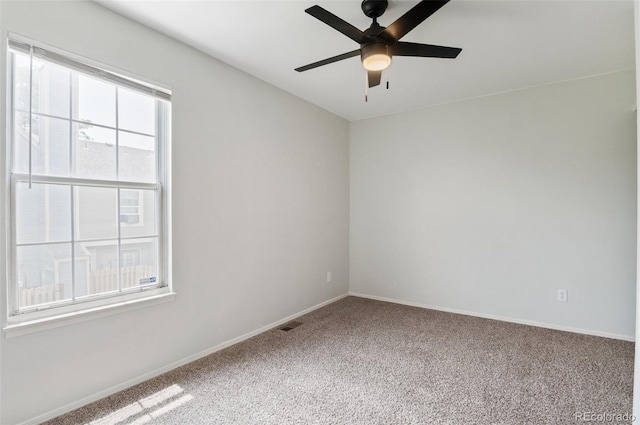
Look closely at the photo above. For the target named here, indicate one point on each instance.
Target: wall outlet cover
(563, 295)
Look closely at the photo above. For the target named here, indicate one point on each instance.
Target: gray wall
(260, 214)
(488, 206)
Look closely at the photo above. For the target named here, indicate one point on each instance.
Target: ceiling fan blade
(329, 60)
(402, 48)
(413, 18)
(374, 78)
(339, 24)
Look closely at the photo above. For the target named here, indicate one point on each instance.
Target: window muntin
(87, 161)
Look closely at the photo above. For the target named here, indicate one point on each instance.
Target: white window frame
(45, 316)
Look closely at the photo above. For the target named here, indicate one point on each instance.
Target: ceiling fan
(379, 44)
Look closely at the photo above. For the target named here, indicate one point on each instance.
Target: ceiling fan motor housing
(375, 48)
(379, 43)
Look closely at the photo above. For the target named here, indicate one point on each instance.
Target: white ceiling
(506, 45)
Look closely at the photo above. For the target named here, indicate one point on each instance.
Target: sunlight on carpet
(146, 404)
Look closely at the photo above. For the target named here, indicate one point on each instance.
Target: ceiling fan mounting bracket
(374, 8)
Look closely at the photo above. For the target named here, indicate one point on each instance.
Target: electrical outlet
(563, 295)
(328, 277)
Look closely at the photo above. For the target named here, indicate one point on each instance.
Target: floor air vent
(289, 326)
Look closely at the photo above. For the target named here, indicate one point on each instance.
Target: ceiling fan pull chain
(388, 74)
(366, 87)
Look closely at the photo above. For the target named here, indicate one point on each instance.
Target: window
(88, 184)
(130, 208)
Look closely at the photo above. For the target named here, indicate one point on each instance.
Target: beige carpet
(360, 361)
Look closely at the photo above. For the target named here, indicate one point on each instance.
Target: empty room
(334, 212)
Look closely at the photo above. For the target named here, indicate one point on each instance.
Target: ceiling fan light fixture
(375, 57)
(376, 62)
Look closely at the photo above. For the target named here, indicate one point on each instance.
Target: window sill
(66, 319)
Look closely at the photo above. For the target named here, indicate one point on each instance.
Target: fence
(103, 280)
(41, 294)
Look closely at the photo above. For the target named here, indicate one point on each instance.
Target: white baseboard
(145, 377)
(500, 318)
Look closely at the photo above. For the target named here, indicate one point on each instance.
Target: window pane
(51, 89)
(50, 146)
(137, 213)
(94, 153)
(21, 82)
(49, 141)
(43, 213)
(95, 213)
(136, 112)
(44, 274)
(21, 142)
(96, 101)
(138, 262)
(137, 157)
(96, 268)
